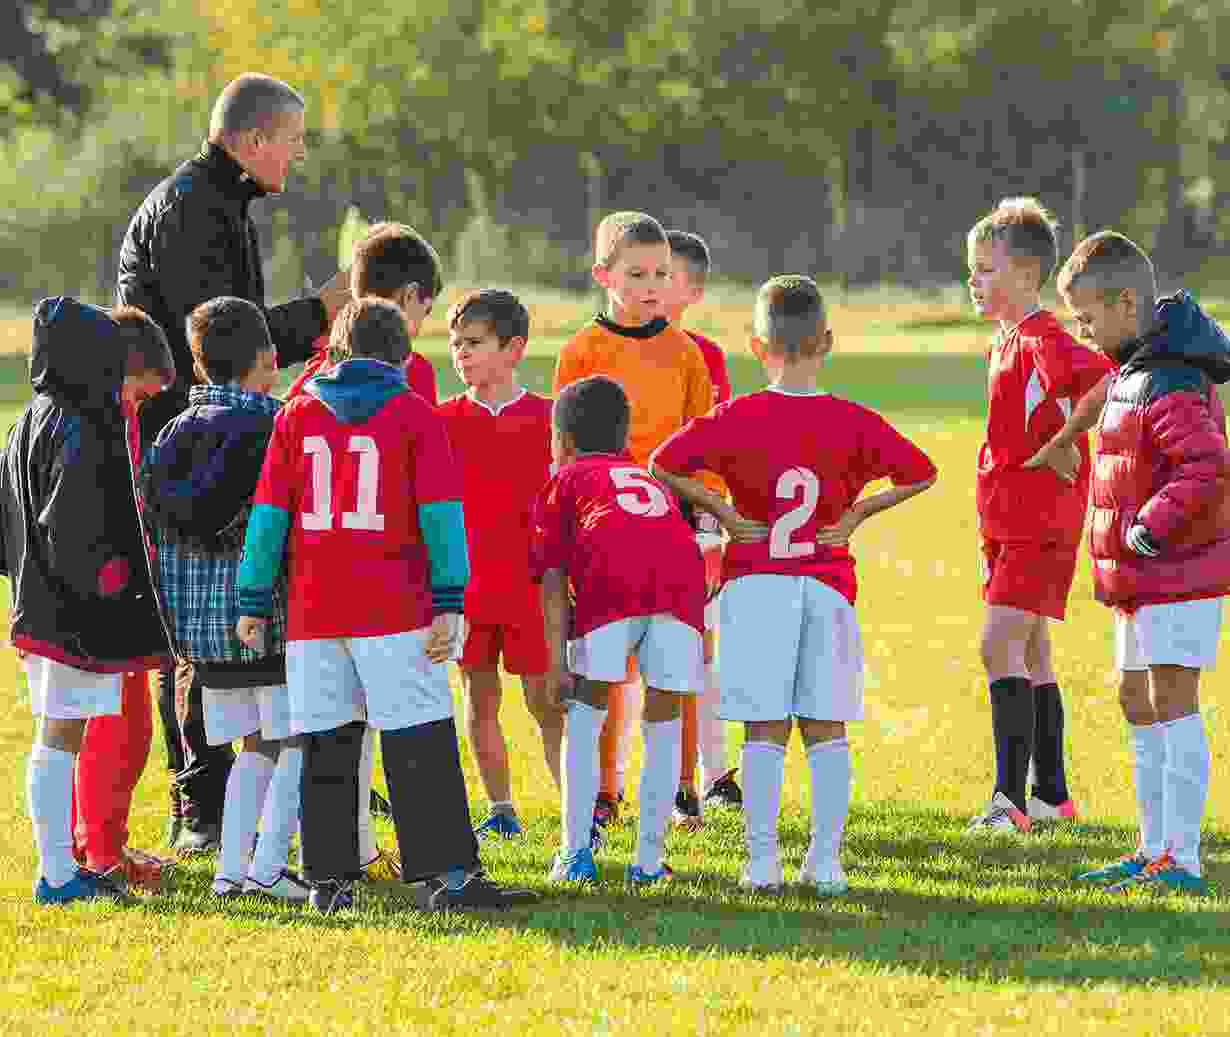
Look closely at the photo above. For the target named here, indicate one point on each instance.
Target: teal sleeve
(444, 533)
(263, 547)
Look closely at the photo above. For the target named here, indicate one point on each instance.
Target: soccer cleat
(828, 879)
(226, 889)
(197, 840)
(637, 876)
(725, 792)
(1002, 817)
(597, 838)
(1164, 875)
(479, 893)
(332, 895)
(176, 820)
(499, 822)
(687, 809)
(574, 867)
(379, 806)
(1126, 867)
(287, 886)
(762, 877)
(606, 811)
(144, 870)
(1041, 810)
(84, 885)
(386, 865)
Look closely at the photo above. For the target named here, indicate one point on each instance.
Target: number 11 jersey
(797, 462)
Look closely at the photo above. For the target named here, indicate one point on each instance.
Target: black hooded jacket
(72, 545)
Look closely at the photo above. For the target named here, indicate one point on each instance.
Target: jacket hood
(1184, 332)
(356, 389)
(78, 354)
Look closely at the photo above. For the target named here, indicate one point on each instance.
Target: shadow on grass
(925, 898)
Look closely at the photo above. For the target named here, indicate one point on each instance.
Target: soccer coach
(192, 239)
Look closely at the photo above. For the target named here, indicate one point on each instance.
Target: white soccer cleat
(828, 879)
(1041, 810)
(764, 876)
(287, 886)
(1002, 817)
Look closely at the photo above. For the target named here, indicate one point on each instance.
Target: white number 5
(654, 503)
(788, 485)
(365, 515)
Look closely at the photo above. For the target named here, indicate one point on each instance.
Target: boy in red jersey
(501, 435)
(795, 461)
(612, 532)
(704, 732)
(1030, 521)
(360, 491)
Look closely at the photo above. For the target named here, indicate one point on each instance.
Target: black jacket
(72, 543)
(192, 240)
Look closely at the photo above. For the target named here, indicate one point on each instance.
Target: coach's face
(271, 151)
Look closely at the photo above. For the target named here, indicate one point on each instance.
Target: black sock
(1012, 719)
(1050, 781)
(427, 791)
(329, 811)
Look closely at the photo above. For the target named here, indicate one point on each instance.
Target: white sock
(710, 731)
(1149, 760)
(1186, 788)
(367, 762)
(279, 817)
(49, 792)
(582, 729)
(659, 780)
(764, 771)
(829, 763)
(623, 745)
(241, 810)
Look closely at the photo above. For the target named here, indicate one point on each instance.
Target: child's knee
(65, 735)
(775, 731)
(1175, 691)
(254, 743)
(816, 731)
(662, 705)
(1134, 698)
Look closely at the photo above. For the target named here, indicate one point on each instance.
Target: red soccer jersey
(715, 360)
(796, 461)
(420, 374)
(1037, 373)
(621, 539)
(357, 564)
(505, 458)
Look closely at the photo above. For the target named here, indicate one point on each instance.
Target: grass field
(942, 933)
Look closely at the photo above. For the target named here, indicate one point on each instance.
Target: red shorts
(524, 648)
(1032, 577)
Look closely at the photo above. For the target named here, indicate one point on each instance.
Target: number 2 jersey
(360, 487)
(619, 536)
(797, 462)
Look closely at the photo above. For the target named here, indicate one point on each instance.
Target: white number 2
(788, 485)
(365, 515)
(653, 505)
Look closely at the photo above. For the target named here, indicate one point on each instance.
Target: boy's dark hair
(501, 309)
(392, 256)
(372, 328)
(1111, 262)
(594, 414)
(148, 349)
(226, 335)
(691, 248)
(625, 228)
(789, 315)
(1027, 228)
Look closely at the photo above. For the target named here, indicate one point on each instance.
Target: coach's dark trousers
(199, 770)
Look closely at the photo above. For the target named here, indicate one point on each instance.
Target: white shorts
(387, 681)
(62, 692)
(1176, 633)
(668, 652)
(238, 712)
(791, 647)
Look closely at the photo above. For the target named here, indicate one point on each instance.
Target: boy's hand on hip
(744, 530)
(838, 534)
(444, 638)
(251, 630)
(1064, 461)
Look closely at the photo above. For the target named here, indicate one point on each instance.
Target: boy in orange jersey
(1030, 520)
(501, 435)
(661, 369)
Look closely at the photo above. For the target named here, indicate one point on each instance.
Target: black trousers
(200, 770)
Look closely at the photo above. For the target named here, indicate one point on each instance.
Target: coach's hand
(1064, 461)
(444, 638)
(251, 631)
(336, 292)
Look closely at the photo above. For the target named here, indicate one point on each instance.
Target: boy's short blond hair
(1028, 229)
(789, 315)
(1110, 262)
(625, 228)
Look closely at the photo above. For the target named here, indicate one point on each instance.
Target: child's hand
(1064, 461)
(251, 631)
(336, 292)
(838, 534)
(444, 638)
(744, 530)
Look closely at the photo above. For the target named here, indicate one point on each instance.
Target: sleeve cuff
(447, 600)
(257, 603)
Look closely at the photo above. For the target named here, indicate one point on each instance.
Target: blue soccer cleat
(1124, 869)
(501, 823)
(1164, 875)
(574, 867)
(637, 876)
(85, 885)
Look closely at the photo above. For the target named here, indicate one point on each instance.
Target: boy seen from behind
(795, 460)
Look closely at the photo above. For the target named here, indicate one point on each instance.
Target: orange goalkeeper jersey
(661, 369)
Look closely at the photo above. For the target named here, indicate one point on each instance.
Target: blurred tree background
(855, 142)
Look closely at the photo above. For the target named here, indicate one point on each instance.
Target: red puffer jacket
(1162, 460)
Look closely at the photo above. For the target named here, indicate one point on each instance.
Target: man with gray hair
(192, 240)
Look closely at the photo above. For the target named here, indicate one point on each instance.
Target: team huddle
(321, 559)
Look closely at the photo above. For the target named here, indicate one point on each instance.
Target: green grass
(942, 933)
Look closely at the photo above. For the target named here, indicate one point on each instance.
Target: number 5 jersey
(797, 462)
(620, 537)
(360, 488)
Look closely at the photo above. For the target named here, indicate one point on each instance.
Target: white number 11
(365, 515)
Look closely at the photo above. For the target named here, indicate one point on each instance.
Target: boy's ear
(516, 347)
(757, 345)
(601, 275)
(826, 342)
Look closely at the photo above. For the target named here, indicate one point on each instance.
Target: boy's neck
(1015, 314)
(496, 394)
(796, 378)
(619, 315)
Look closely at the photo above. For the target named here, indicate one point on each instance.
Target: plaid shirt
(197, 579)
